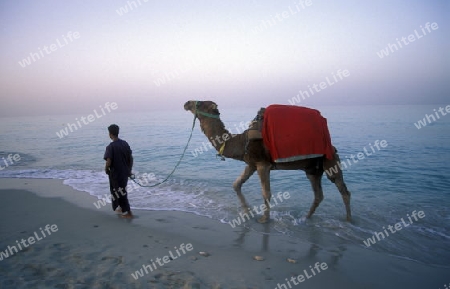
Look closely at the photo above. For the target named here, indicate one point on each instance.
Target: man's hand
(108, 166)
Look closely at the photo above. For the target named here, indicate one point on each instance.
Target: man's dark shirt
(120, 154)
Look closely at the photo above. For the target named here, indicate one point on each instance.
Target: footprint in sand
(31, 272)
(200, 228)
(180, 280)
(60, 246)
(113, 260)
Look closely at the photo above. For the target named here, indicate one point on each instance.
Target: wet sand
(95, 248)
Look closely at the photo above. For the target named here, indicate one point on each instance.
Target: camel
(257, 159)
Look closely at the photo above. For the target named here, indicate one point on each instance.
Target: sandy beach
(94, 248)
(335, 110)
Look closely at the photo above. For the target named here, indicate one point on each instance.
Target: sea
(389, 184)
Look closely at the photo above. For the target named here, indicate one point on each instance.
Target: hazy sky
(69, 57)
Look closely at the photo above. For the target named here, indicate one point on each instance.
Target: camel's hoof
(263, 220)
(246, 210)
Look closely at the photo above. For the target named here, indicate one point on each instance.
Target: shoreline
(94, 247)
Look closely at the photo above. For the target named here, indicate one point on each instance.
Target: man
(119, 161)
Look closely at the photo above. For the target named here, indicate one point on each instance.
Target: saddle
(291, 133)
(255, 127)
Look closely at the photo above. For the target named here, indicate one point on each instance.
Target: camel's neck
(217, 134)
(215, 131)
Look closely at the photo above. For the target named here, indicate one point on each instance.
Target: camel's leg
(237, 185)
(264, 176)
(316, 185)
(334, 174)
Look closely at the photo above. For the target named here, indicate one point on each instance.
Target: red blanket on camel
(293, 133)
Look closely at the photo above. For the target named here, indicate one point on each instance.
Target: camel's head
(202, 109)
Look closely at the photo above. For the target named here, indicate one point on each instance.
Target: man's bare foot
(127, 215)
(118, 211)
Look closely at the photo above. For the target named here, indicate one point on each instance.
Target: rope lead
(176, 166)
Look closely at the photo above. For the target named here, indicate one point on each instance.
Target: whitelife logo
(31, 240)
(407, 40)
(316, 88)
(393, 229)
(162, 261)
(12, 160)
(296, 280)
(86, 120)
(35, 56)
(430, 117)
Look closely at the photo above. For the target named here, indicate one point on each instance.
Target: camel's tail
(333, 167)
